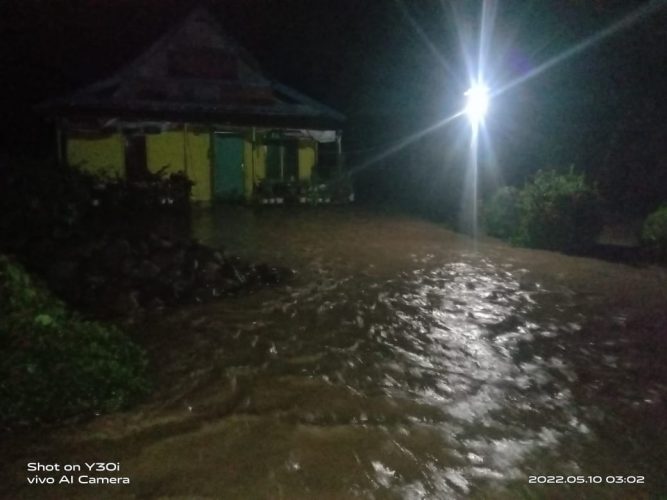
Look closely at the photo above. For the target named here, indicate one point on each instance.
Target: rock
(196, 256)
(178, 257)
(63, 272)
(202, 253)
(94, 279)
(230, 285)
(141, 249)
(128, 267)
(230, 272)
(125, 276)
(210, 272)
(157, 242)
(191, 264)
(126, 303)
(86, 250)
(116, 250)
(202, 294)
(155, 304)
(267, 274)
(179, 289)
(166, 259)
(147, 270)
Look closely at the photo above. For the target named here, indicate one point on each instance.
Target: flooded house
(197, 103)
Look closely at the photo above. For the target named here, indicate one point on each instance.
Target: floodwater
(398, 363)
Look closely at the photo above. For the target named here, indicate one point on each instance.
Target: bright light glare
(477, 104)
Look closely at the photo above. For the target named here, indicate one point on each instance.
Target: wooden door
(136, 168)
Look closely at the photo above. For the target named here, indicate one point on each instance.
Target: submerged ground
(401, 362)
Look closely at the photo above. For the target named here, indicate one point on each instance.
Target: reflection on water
(398, 364)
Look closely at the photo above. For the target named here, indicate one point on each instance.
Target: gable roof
(195, 72)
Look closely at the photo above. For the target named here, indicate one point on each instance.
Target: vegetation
(556, 211)
(559, 211)
(53, 363)
(315, 191)
(654, 233)
(45, 201)
(502, 213)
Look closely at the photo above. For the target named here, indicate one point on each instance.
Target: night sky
(391, 66)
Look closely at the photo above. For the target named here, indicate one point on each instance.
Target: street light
(477, 103)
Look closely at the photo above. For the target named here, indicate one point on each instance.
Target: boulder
(210, 272)
(267, 274)
(116, 250)
(63, 272)
(147, 270)
(126, 303)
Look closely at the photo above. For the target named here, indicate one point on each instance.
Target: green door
(228, 167)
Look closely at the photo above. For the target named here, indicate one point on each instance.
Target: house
(198, 103)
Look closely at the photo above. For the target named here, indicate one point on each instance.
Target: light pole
(477, 104)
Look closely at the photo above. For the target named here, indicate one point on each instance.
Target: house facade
(197, 103)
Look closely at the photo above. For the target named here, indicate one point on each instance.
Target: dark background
(393, 68)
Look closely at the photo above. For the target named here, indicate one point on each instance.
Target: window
(282, 161)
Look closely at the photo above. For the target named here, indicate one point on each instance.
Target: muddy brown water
(401, 362)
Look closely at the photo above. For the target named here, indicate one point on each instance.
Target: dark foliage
(55, 364)
(98, 245)
(120, 276)
(654, 234)
(556, 211)
(559, 211)
(45, 201)
(502, 213)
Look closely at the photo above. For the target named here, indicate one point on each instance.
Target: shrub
(42, 200)
(501, 214)
(156, 191)
(559, 211)
(654, 233)
(55, 364)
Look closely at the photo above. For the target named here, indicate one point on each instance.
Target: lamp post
(477, 104)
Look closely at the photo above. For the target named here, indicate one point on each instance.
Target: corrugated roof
(196, 71)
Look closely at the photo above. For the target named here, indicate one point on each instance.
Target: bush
(43, 200)
(53, 363)
(654, 233)
(559, 211)
(556, 211)
(501, 213)
(157, 191)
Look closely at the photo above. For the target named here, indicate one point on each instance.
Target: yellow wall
(165, 150)
(179, 151)
(307, 155)
(198, 164)
(100, 156)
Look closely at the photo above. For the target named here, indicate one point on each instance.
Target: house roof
(196, 73)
